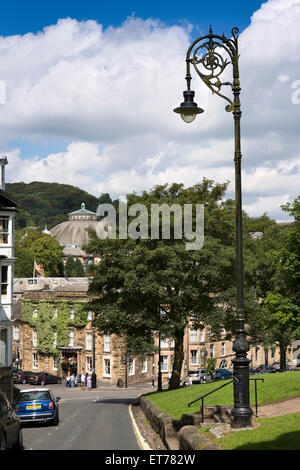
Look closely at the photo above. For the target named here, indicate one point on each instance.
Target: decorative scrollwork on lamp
(208, 57)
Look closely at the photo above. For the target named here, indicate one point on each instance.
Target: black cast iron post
(94, 376)
(209, 57)
(159, 377)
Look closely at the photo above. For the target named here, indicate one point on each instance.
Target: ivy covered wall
(50, 317)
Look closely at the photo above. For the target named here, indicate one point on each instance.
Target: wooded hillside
(48, 203)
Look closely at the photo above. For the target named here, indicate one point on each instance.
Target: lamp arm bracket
(206, 54)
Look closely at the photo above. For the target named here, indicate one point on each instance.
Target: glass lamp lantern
(188, 109)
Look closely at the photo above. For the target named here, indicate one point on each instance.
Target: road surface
(89, 420)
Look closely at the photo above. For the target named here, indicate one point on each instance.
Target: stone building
(8, 208)
(198, 347)
(82, 348)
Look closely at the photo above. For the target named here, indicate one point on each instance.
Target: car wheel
(3, 445)
(55, 421)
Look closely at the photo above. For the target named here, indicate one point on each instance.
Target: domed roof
(73, 232)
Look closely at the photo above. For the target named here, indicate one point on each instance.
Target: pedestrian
(89, 382)
(152, 380)
(68, 378)
(43, 379)
(77, 380)
(82, 380)
(120, 383)
(72, 380)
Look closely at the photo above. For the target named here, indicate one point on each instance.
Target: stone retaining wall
(175, 433)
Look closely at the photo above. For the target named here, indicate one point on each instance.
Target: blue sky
(23, 16)
(32, 16)
(90, 88)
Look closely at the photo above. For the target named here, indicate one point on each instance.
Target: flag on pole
(39, 269)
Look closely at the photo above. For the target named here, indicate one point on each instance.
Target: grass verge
(275, 387)
(277, 433)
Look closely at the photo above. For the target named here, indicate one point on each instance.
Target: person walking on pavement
(43, 379)
(82, 380)
(72, 379)
(77, 380)
(89, 382)
(68, 378)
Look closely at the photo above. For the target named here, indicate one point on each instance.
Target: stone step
(172, 443)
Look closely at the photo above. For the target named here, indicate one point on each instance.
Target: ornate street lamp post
(209, 57)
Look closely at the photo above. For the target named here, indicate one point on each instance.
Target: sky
(87, 92)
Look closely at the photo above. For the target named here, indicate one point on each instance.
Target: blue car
(37, 405)
(222, 374)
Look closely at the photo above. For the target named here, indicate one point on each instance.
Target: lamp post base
(241, 418)
(241, 414)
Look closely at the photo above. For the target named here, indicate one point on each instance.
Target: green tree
(23, 253)
(24, 262)
(282, 302)
(79, 269)
(47, 251)
(105, 199)
(70, 267)
(146, 286)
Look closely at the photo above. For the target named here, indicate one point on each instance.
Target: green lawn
(275, 387)
(278, 433)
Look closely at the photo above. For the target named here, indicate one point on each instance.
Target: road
(89, 420)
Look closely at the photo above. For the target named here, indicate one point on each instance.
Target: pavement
(290, 405)
(103, 390)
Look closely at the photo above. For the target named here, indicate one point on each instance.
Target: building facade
(8, 208)
(198, 347)
(53, 333)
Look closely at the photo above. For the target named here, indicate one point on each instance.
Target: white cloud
(109, 94)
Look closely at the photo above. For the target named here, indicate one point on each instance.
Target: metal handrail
(224, 385)
(256, 378)
(203, 396)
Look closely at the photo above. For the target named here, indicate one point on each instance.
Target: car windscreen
(35, 395)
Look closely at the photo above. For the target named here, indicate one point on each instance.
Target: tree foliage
(48, 203)
(281, 304)
(146, 286)
(47, 251)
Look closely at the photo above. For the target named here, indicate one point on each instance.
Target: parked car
(198, 376)
(36, 379)
(10, 426)
(265, 369)
(222, 374)
(21, 376)
(38, 405)
(277, 366)
(252, 371)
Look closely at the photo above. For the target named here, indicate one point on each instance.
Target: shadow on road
(117, 401)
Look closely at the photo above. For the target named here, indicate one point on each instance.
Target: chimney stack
(3, 162)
